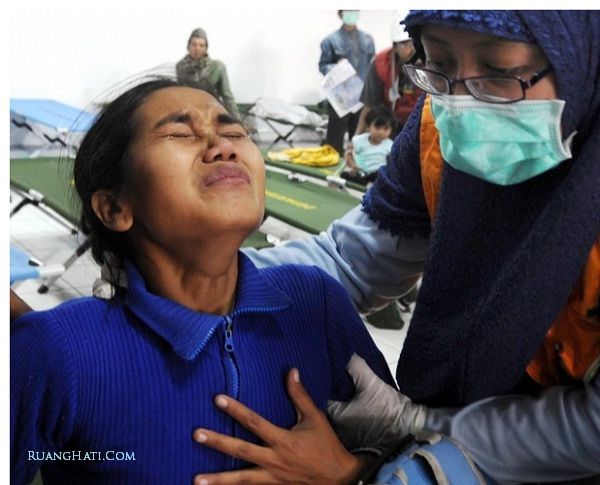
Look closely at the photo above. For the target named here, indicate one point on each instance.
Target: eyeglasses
(491, 89)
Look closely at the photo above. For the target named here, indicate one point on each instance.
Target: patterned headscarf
(501, 23)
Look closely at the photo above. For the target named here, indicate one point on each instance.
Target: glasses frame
(525, 84)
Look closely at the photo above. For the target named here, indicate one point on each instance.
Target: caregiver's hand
(378, 415)
(309, 453)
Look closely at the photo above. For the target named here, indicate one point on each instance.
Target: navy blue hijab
(501, 260)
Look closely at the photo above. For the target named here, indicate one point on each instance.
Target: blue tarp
(52, 113)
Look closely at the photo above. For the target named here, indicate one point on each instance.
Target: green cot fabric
(305, 205)
(50, 176)
(317, 172)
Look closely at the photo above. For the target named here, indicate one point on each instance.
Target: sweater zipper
(230, 357)
(229, 347)
(233, 371)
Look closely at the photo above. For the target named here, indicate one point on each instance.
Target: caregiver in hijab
(493, 192)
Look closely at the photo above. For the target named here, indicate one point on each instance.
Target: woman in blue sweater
(110, 392)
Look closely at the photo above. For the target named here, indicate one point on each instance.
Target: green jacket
(210, 75)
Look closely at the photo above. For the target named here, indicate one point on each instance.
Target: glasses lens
(495, 89)
(428, 81)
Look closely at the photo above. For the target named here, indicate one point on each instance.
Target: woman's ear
(114, 213)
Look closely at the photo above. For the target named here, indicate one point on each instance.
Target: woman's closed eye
(181, 134)
(234, 135)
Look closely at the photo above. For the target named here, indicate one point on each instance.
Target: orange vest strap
(432, 163)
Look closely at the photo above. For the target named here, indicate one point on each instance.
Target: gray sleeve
(372, 93)
(374, 266)
(515, 439)
(225, 92)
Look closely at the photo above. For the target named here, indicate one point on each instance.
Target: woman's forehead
(462, 40)
(178, 98)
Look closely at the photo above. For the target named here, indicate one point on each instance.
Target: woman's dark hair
(381, 116)
(102, 162)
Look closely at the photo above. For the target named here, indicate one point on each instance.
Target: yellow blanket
(323, 156)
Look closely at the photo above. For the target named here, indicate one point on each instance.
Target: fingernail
(203, 481)
(296, 375)
(221, 402)
(200, 437)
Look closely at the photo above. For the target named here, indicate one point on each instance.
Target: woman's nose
(220, 149)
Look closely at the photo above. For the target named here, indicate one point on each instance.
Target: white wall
(74, 53)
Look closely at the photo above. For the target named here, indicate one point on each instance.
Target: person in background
(369, 151)
(358, 47)
(492, 191)
(110, 391)
(198, 70)
(387, 83)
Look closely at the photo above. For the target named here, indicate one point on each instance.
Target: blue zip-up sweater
(111, 392)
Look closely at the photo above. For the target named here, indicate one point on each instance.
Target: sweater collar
(188, 331)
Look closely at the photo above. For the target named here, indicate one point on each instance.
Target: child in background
(368, 151)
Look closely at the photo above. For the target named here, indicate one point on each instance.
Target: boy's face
(197, 48)
(379, 133)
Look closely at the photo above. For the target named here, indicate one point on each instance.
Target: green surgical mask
(504, 144)
(350, 17)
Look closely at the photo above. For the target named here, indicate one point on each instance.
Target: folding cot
(284, 119)
(49, 180)
(305, 205)
(284, 129)
(52, 124)
(328, 175)
(52, 178)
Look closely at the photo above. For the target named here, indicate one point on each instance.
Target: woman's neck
(202, 279)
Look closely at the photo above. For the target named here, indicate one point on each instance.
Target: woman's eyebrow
(222, 119)
(226, 119)
(174, 118)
